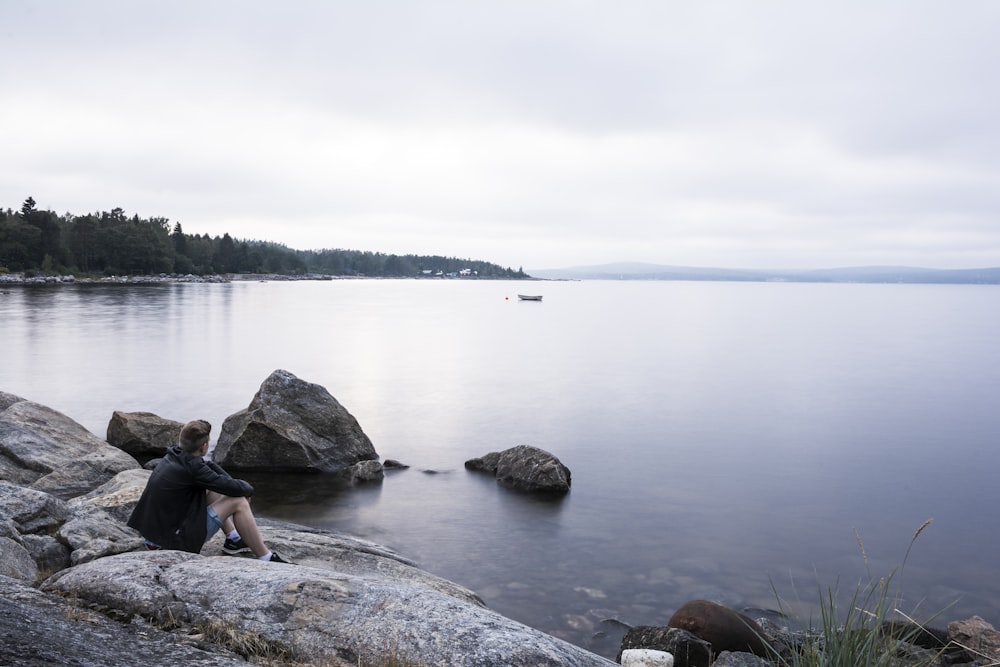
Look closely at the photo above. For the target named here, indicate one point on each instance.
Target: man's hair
(194, 435)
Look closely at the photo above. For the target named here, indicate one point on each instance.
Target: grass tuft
(861, 634)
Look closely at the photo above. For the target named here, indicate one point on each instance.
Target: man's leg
(235, 510)
(227, 522)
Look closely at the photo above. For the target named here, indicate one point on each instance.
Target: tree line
(112, 243)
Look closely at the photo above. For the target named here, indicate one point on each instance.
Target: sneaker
(232, 548)
(275, 558)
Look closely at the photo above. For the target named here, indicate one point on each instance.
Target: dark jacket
(172, 511)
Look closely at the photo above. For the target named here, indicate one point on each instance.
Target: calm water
(725, 439)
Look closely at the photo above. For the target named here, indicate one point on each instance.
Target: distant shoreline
(19, 279)
(860, 275)
(856, 274)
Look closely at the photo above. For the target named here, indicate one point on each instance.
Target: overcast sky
(764, 134)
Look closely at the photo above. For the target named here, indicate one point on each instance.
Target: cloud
(539, 134)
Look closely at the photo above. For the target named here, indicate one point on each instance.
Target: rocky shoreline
(69, 567)
(20, 279)
(77, 582)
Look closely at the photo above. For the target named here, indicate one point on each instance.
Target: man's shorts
(212, 524)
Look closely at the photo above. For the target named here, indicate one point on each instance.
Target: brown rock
(142, 434)
(724, 628)
(977, 637)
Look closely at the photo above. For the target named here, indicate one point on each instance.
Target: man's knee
(229, 505)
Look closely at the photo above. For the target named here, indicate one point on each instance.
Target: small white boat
(527, 297)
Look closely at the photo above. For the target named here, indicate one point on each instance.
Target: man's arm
(211, 476)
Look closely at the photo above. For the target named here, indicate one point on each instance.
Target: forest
(35, 242)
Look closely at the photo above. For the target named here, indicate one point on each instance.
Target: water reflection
(281, 492)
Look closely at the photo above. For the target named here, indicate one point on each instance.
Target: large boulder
(292, 426)
(48, 451)
(526, 468)
(314, 615)
(143, 435)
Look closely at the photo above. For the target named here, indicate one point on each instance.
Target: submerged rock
(292, 426)
(526, 468)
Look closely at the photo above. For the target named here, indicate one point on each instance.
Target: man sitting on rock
(188, 498)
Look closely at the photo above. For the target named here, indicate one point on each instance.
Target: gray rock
(7, 400)
(525, 467)
(316, 615)
(341, 553)
(365, 471)
(118, 496)
(50, 555)
(39, 630)
(143, 435)
(739, 659)
(9, 529)
(292, 426)
(96, 525)
(30, 519)
(16, 561)
(487, 463)
(45, 449)
(32, 511)
(93, 533)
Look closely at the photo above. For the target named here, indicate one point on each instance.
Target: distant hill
(857, 274)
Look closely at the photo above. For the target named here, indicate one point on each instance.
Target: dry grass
(253, 646)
